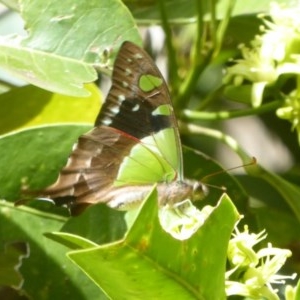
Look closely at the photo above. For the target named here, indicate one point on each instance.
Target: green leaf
(181, 10)
(44, 153)
(68, 31)
(31, 106)
(102, 224)
(10, 262)
(240, 94)
(150, 264)
(149, 11)
(290, 192)
(297, 295)
(47, 273)
(249, 6)
(271, 213)
(70, 240)
(62, 48)
(242, 29)
(58, 74)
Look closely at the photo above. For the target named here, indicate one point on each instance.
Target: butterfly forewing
(139, 103)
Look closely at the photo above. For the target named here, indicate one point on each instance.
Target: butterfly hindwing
(145, 164)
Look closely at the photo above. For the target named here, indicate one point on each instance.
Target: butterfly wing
(139, 105)
(135, 140)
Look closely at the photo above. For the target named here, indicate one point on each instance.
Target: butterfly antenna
(251, 163)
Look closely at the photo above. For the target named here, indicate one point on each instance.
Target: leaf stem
(172, 62)
(213, 133)
(213, 22)
(221, 29)
(200, 55)
(198, 62)
(225, 115)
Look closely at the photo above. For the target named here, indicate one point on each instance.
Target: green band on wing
(164, 109)
(154, 159)
(149, 82)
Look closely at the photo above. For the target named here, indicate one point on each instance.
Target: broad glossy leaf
(149, 10)
(10, 261)
(251, 7)
(181, 10)
(31, 106)
(289, 191)
(102, 224)
(271, 212)
(34, 156)
(69, 240)
(68, 27)
(62, 48)
(58, 74)
(297, 295)
(239, 94)
(242, 29)
(149, 263)
(46, 271)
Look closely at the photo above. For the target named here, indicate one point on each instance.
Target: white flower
(254, 272)
(291, 110)
(273, 53)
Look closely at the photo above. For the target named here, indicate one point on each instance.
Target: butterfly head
(200, 190)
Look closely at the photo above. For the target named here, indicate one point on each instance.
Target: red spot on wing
(125, 134)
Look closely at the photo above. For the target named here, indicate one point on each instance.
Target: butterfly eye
(199, 191)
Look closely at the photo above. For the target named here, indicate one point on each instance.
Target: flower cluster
(273, 53)
(291, 111)
(251, 272)
(183, 219)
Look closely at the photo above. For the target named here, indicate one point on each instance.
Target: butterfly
(134, 144)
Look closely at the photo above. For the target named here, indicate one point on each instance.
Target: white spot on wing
(136, 107)
(138, 56)
(107, 121)
(164, 110)
(74, 146)
(128, 72)
(121, 98)
(88, 162)
(125, 84)
(69, 162)
(115, 110)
